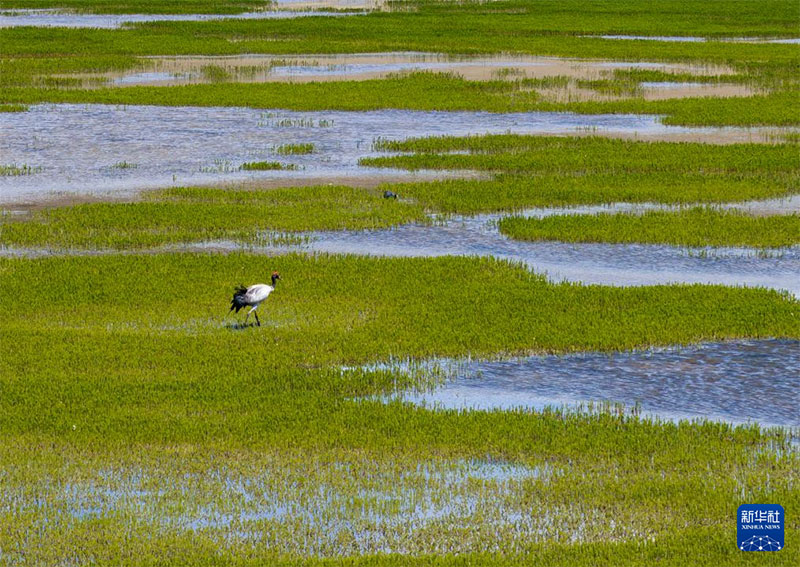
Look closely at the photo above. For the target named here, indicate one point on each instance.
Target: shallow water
(61, 19)
(79, 147)
(780, 206)
(695, 39)
(737, 382)
(338, 4)
(343, 70)
(149, 77)
(589, 263)
(363, 66)
(472, 68)
(305, 507)
(666, 90)
(676, 38)
(668, 85)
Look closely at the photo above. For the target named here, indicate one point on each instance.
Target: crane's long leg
(253, 311)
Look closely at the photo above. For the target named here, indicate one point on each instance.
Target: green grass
(426, 91)
(187, 215)
(540, 171)
(627, 82)
(697, 226)
(338, 310)
(13, 108)
(294, 149)
(502, 26)
(27, 71)
(125, 165)
(123, 375)
(636, 76)
(513, 153)
(419, 91)
(14, 170)
(267, 166)
(215, 73)
(181, 216)
(517, 192)
(529, 171)
(364, 490)
(541, 28)
(129, 407)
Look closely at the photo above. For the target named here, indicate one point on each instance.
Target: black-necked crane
(252, 297)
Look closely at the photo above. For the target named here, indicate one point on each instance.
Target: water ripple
(76, 146)
(737, 382)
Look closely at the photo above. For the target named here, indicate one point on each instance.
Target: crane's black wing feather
(238, 300)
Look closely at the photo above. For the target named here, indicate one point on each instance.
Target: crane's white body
(257, 293)
(252, 297)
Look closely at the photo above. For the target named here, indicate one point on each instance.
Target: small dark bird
(389, 194)
(252, 297)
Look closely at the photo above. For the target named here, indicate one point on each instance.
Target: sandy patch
(255, 68)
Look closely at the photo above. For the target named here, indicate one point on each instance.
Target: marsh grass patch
(696, 226)
(184, 215)
(294, 149)
(14, 170)
(269, 166)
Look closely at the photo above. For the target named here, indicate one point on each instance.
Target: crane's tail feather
(238, 299)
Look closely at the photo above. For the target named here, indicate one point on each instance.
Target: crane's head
(275, 277)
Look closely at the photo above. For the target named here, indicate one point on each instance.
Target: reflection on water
(61, 19)
(668, 85)
(257, 68)
(367, 64)
(77, 146)
(741, 381)
(148, 77)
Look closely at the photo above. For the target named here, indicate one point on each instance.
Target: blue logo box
(760, 527)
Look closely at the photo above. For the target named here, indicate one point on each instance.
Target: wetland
(539, 295)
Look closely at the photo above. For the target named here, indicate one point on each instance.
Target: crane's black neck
(274, 280)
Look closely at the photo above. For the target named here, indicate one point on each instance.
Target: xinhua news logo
(760, 527)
